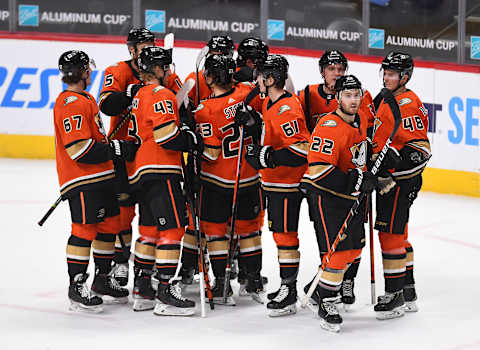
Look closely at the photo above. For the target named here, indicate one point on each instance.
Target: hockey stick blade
(168, 41)
(201, 55)
(182, 94)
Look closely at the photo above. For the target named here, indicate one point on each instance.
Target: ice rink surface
(34, 312)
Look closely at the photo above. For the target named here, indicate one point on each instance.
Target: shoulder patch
(404, 101)
(329, 123)
(157, 89)
(69, 99)
(283, 108)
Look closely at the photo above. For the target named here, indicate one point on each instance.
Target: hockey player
(221, 135)
(120, 84)
(282, 156)
(86, 176)
(221, 45)
(155, 176)
(406, 159)
(318, 100)
(251, 52)
(336, 165)
(217, 45)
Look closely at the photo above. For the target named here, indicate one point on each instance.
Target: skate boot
(315, 298)
(107, 287)
(170, 302)
(390, 305)
(330, 319)
(143, 292)
(242, 281)
(255, 288)
(283, 301)
(410, 296)
(120, 273)
(348, 297)
(81, 299)
(217, 292)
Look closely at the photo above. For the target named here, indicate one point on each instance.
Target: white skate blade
(258, 297)
(141, 304)
(219, 301)
(78, 307)
(410, 306)
(289, 310)
(331, 327)
(162, 309)
(388, 315)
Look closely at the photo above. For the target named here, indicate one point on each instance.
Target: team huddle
(204, 160)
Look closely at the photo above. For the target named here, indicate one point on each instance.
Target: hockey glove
(124, 149)
(247, 116)
(260, 157)
(194, 140)
(243, 74)
(385, 184)
(132, 90)
(361, 181)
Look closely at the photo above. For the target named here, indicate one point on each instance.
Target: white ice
(33, 289)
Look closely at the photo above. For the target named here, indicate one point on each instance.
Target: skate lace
(282, 293)
(120, 270)
(329, 306)
(176, 292)
(84, 291)
(347, 288)
(114, 284)
(385, 299)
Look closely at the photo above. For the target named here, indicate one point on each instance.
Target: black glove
(392, 159)
(247, 116)
(260, 157)
(361, 181)
(194, 140)
(387, 95)
(245, 73)
(132, 90)
(124, 149)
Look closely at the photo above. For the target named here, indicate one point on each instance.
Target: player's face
(350, 100)
(249, 63)
(332, 72)
(391, 79)
(87, 75)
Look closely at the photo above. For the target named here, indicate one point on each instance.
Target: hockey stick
(168, 42)
(372, 257)
(233, 239)
(59, 199)
(390, 100)
(201, 55)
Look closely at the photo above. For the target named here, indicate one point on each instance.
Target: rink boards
(30, 82)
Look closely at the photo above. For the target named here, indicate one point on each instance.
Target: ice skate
(81, 298)
(143, 292)
(283, 301)
(217, 292)
(170, 302)
(255, 289)
(107, 287)
(120, 273)
(410, 296)
(390, 305)
(330, 319)
(346, 292)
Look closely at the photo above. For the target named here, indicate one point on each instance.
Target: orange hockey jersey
(215, 120)
(411, 140)
(284, 127)
(320, 103)
(154, 122)
(77, 127)
(335, 148)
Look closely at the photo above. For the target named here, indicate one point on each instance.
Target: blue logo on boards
(475, 48)
(276, 29)
(28, 15)
(376, 38)
(155, 20)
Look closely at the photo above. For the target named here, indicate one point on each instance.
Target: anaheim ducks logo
(69, 99)
(359, 154)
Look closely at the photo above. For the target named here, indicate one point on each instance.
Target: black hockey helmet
(275, 66)
(332, 57)
(221, 43)
(152, 56)
(138, 35)
(347, 82)
(252, 48)
(400, 62)
(73, 62)
(220, 67)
